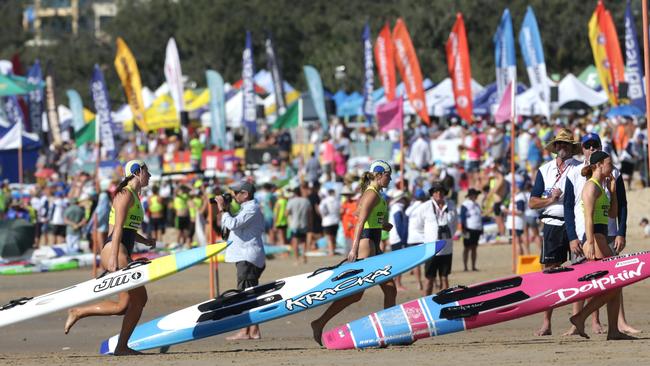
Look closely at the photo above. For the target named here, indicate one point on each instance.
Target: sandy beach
(288, 341)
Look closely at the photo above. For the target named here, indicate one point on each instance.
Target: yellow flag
(598, 48)
(127, 69)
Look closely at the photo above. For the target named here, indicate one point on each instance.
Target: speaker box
(555, 94)
(622, 90)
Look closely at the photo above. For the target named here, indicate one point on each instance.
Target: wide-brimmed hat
(564, 135)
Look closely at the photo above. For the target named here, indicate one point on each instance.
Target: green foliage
(322, 33)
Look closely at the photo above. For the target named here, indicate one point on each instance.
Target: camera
(227, 199)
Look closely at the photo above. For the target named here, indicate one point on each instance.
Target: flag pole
(98, 154)
(402, 159)
(646, 64)
(513, 116)
(20, 153)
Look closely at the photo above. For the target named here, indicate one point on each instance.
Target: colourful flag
(633, 62)
(35, 77)
(459, 68)
(276, 76)
(99, 93)
(77, 109)
(385, 59)
(409, 69)
(127, 69)
(86, 134)
(12, 110)
(291, 118)
(606, 51)
(506, 106)
(530, 43)
(174, 75)
(390, 115)
(249, 115)
(317, 95)
(369, 75)
(504, 54)
(217, 108)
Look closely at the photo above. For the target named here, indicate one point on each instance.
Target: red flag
(390, 115)
(459, 68)
(384, 58)
(409, 69)
(616, 66)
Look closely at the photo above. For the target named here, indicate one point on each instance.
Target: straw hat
(564, 136)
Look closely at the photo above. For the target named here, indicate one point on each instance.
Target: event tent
(9, 152)
(574, 93)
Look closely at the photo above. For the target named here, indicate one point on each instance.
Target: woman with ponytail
(599, 204)
(124, 221)
(372, 219)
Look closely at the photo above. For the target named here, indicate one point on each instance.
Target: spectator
(330, 210)
(58, 225)
(74, 219)
(420, 155)
(398, 234)
(299, 212)
(280, 219)
(471, 222)
(415, 236)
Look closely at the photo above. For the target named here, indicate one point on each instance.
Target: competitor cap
(133, 167)
(380, 166)
(597, 157)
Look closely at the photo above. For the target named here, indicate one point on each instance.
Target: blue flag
(35, 77)
(274, 68)
(77, 108)
(13, 111)
(317, 95)
(103, 119)
(249, 117)
(217, 108)
(633, 62)
(504, 54)
(530, 43)
(369, 75)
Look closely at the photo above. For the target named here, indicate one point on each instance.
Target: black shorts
(627, 168)
(157, 224)
(555, 244)
(331, 229)
(299, 234)
(439, 265)
(496, 208)
(58, 230)
(183, 222)
(375, 238)
(398, 246)
(248, 274)
(601, 229)
(471, 238)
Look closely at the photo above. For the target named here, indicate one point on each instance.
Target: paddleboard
(463, 308)
(136, 274)
(238, 309)
(39, 268)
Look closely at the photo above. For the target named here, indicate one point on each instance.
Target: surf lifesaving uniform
(373, 226)
(601, 210)
(132, 222)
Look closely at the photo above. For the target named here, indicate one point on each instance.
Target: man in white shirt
(330, 210)
(420, 155)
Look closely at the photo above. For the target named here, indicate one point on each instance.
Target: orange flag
(459, 68)
(617, 67)
(384, 58)
(409, 69)
(606, 51)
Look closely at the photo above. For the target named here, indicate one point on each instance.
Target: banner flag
(530, 43)
(504, 111)
(249, 115)
(606, 51)
(390, 115)
(99, 93)
(315, 85)
(633, 62)
(459, 68)
(217, 108)
(409, 69)
(127, 69)
(278, 83)
(291, 118)
(174, 75)
(504, 53)
(12, 110)
(369, 75)
(52, 113)
(385, 59)
(77, 109)
(35, 77)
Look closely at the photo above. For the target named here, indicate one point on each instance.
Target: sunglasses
(591, 145)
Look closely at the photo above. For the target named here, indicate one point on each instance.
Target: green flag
(291, 118)
(85, 134)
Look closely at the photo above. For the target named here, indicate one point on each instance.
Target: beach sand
(288, 341)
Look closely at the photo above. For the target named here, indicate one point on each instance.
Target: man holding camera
(247, 248)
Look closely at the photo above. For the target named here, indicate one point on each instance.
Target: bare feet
(626, 328)
(619, 336)
(240, 336)
(475, 269)
(580, 326)
(401, 289)
(544, 331)
(572, 331)
(317, 331)
(126, 351)
(597, 328)
(73, 316)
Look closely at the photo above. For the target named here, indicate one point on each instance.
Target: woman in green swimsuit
(373, 218)
(124, 221)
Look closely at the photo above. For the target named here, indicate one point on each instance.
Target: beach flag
(217, 108)
(409, 69)
(390, 115)
(606, 51)
(459, 68)
(315, 85)
(249, 115)
(35, 77)
(174, 75)
(127, 69)
(77, 109)
(291, 118)
(504, 54)
(506, 106)
(52, 122)
(276, 76)
(99, 93)
(385, 59)
(532, 51)
(13, 111)
(369, 75)
(633, 62)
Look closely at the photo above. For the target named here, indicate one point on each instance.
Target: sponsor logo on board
(116, 281)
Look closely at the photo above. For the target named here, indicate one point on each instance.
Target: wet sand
(288, 341)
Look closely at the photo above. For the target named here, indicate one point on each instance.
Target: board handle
(323, 269)
(593, 276)
(15, 302)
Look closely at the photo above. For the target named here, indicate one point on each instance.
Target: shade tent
(572, 90)
(529, 103)
(9, 152)
(440, 99)
(487, 98)
(264, 79)
(16, 237)
(235, 109)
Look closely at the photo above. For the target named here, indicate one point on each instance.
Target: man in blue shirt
(247, 248)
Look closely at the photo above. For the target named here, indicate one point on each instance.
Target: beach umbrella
(626, 110)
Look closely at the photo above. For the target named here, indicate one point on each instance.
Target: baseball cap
(132, 167)
(244, 186)
(590, 137)
(419, 194)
